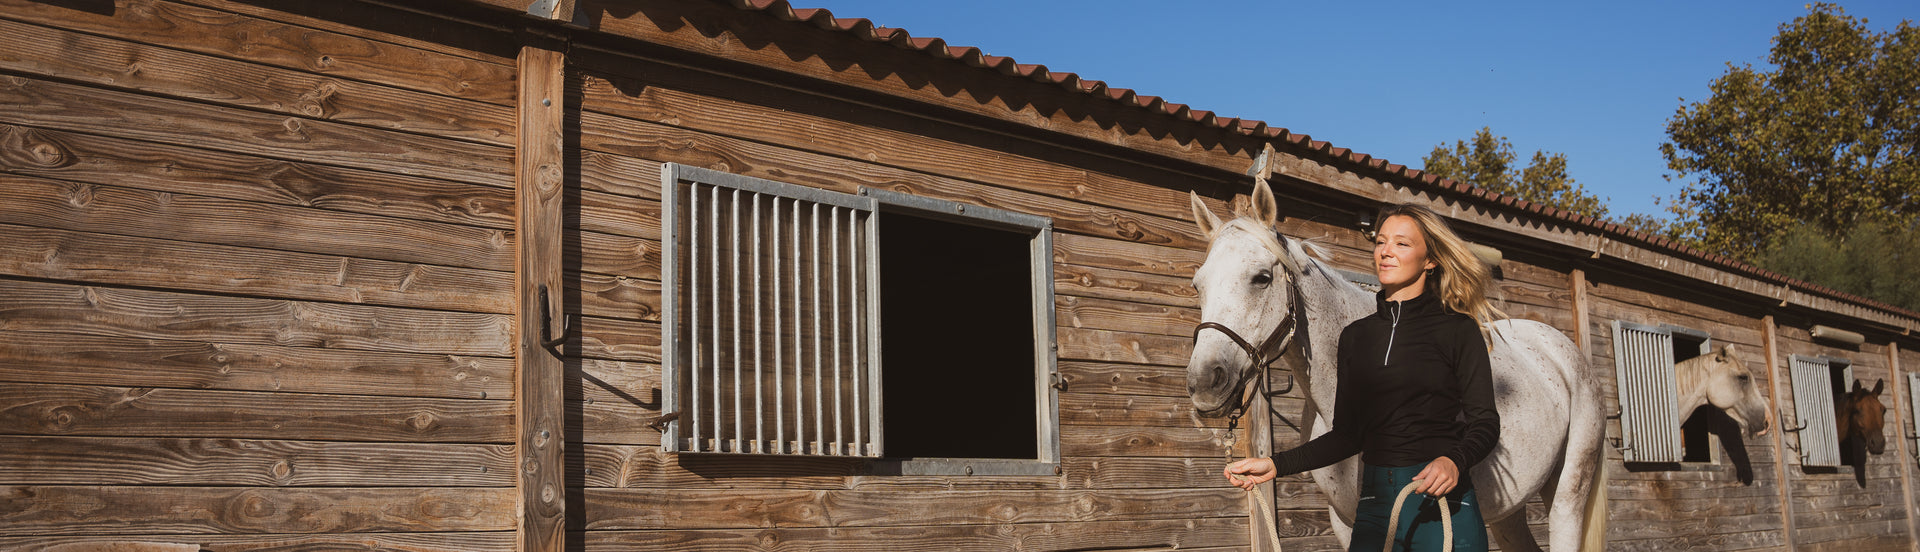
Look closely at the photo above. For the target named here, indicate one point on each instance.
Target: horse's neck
(1690, 384)
(1329, 302)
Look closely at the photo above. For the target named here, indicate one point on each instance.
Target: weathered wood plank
(623, 509)
(29, 357)
(60, 308)
(245, 462)
(1107, 314)
(1145, 442)
(161, 215)
(499, 541)
(227, 34)
(1076, 249)
(34, 409)
(1132, 411)
(650, 141)
(1180, 534)
(1125, 286)
(93, 258)
(77, 108)
(615, 339)
(612, 255)
(167, 72)
(188, 170)
(450, 34)
(43, 510)
(539, 404)
(701, 102)
(613, 214)
(1112, 346)
(1124, 379)
(614, 297)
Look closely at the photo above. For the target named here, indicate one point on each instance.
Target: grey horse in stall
(1262, 285)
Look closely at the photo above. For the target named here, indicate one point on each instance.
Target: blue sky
(1594, 80)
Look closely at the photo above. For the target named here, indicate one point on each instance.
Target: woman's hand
(1250, 473)
(1440, 476)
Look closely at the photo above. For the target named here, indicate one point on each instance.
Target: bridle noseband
(1269, 350)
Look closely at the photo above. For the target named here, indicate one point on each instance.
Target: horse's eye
(1263, 279)
(1744, 377)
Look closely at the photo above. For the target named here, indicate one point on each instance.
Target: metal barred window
(771, 348)
(1649, 417)
(1813, 406)
(773, 299)
(1913, 404)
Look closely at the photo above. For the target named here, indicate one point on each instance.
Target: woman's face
(1400, 253)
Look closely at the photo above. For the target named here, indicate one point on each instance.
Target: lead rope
(1393, 521)
(1256, 500)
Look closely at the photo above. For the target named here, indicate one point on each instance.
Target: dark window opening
(958, 366)
(1696, 431)
(1840, 378)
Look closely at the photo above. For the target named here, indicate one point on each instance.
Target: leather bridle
(1264, 355)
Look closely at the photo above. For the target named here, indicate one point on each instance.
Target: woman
(1415, 398)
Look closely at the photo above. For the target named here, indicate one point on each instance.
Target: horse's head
(1863, 417)
(1244, 285)
(1728, 385)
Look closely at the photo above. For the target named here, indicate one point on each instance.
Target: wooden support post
(1901, 429)
(1769, 336)
(1260, 445)
(539, 179)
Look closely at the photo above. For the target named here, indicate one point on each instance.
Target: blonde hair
(1461, 278)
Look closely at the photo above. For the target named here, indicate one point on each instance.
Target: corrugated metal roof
(1303, 144)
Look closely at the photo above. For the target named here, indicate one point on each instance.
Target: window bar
(853, 296)
(693, 326)
(759, 382)
(733, 278)
(799, 359)
(713, 272)
(833, 225)
(779, 387)
(819, 417)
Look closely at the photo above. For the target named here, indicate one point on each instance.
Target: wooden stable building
(489, 275)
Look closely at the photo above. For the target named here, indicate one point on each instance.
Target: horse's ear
(1204, 216)
(1878, 386)
(1856, 386)
(1726, 353)
(1265, 209)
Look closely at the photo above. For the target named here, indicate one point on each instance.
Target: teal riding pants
(1419, 529)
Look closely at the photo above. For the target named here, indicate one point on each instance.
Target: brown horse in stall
(1861, 418)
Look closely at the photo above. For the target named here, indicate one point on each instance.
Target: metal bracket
(1787, 427)
(546, 323)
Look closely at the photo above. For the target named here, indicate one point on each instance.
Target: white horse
(1552, 428)
(1720, 379)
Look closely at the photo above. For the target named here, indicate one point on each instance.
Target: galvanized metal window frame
(1813, 408)
(1045, 361)
(1644, 379)
(1040, 254)
(861, 241)
(1913, 411)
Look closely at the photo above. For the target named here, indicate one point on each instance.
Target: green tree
(1874, 259)
(1487, 161)
(1825, 137)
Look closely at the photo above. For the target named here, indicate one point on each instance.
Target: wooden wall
(255, 277)
(257, 291)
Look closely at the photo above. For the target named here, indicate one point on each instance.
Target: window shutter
(1649, 417)
(769, 342)
(1813, 405)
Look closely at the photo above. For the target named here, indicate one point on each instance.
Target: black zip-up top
(1415, 385)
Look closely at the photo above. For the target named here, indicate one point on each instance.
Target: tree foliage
(1874, 259)
(1487, 161)
(1825, 138)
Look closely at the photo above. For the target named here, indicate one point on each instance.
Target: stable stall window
(1815, 381)
(798, 321)
(1643, 359)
